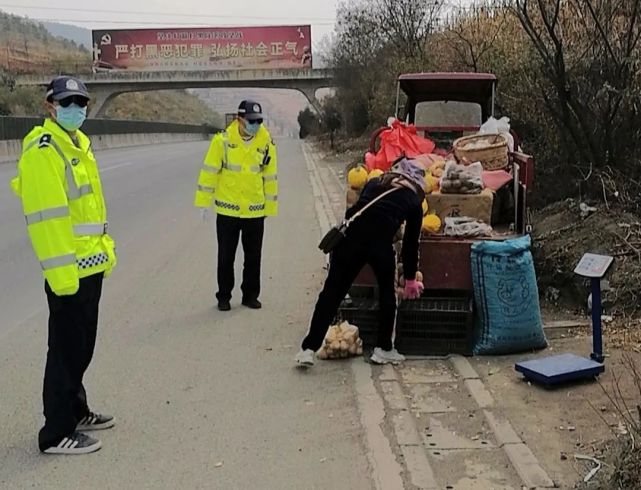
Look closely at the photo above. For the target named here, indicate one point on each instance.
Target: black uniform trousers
(228, 232)
(346, 261)
(73, 324)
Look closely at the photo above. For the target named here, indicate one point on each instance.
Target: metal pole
(517, 188)
(398, 97)
(493, 97)
(597, 340)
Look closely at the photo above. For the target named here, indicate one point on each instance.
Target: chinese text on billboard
(197, 49)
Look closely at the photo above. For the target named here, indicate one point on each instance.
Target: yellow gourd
(425, 207)
(377, 172)
(431, 223)
(357, 177)
(431, 183)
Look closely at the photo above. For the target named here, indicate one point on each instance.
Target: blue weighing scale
(566, 368)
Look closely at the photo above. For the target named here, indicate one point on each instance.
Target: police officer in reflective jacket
(239, 178)
(64, 208)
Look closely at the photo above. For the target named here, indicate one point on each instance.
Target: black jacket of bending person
(380, 222)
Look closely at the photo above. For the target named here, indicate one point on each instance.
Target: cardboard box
(477, 206)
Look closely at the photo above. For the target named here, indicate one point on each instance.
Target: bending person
(369, 240)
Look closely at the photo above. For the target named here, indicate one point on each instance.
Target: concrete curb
(463, 367)
(527, 466)
(408, 436)
(522, 458)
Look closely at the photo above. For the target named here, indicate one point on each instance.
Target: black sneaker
(95, 421)
(254, 304)
(224, 306)
(76, 443)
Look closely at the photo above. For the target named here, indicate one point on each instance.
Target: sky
(168, 13)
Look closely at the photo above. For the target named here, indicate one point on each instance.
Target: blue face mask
(72, 117)
(252, 128)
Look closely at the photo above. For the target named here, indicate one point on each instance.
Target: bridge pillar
(310, 94)
(100, 100)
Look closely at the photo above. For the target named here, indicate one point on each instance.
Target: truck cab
(444, 107)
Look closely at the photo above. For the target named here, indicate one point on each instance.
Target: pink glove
(413, 289)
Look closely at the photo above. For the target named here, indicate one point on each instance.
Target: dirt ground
(558, 424)
(562, 234)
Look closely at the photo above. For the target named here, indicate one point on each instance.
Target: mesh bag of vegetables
(341, 341)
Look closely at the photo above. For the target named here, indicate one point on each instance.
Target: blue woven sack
(506, 297)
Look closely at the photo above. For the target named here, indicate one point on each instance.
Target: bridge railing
(16, 128)
(204, 75)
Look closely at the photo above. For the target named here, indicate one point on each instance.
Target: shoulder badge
(45, 140)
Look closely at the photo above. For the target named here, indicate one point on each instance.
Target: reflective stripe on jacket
(240, 178)
(64, 207)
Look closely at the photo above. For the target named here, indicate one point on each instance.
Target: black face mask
(74, 99)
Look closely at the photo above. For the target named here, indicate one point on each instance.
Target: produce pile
(341, 341)
(358, 176)
(462, 179)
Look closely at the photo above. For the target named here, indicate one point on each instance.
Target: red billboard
(197, 49)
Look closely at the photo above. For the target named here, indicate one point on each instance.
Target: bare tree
(407, 24)
(589, 51)
(473, 31)
(374, 41)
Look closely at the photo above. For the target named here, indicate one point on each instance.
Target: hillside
(79, 35)
(281, 107)
(28, 47)
(174, 106)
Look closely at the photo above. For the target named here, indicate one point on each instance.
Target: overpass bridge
(104, 86)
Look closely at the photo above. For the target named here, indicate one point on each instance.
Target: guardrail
(124, 76)
(16, 128)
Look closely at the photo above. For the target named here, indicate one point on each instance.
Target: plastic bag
(466, 227)
(399, 140)
(428, 160)
(499, 126)
(495, 179)
(462, 179)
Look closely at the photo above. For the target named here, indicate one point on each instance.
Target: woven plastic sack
(507, 298)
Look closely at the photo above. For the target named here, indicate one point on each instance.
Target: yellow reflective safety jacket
(240, 177)
(64, 207)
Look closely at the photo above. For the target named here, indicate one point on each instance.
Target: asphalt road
(202, 399)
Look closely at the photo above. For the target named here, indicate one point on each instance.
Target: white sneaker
(305, 358)
(381, 356)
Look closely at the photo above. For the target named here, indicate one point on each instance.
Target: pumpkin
(377, 172)
(431, 223)
(357, 177)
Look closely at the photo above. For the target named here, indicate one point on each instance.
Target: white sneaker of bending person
(381, 356)
(305, 358)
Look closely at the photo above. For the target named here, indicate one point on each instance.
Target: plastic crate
(362, 312)
(436, 324)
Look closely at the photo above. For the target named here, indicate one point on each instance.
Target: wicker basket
(491, 151)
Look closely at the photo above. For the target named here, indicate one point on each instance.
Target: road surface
(202, 399)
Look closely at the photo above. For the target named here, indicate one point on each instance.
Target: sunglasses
(254, 121)
(74, 99)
